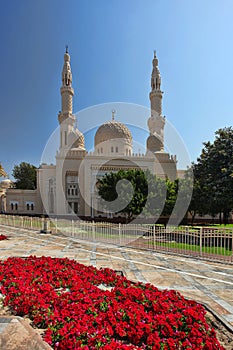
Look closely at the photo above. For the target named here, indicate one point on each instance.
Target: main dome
(112, 130)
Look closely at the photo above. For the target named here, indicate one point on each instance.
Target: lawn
(192, 247)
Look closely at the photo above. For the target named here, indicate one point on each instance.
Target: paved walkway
(208, 282)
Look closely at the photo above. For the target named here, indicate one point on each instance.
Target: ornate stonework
(112, 130)
(154, 144)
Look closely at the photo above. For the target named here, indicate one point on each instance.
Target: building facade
(70, 186)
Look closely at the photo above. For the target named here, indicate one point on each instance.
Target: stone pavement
(17, 334)
(207, 282)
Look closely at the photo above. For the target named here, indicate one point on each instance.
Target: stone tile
(16, 334)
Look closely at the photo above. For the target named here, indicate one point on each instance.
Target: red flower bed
(63, 297)
(2, 237)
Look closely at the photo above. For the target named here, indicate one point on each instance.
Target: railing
(214, 243)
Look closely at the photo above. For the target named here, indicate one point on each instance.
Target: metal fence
(214, 243)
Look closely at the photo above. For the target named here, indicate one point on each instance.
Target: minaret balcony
(156, 92)
(62, 116)
(68, 89)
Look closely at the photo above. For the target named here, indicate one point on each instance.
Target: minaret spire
(156, 121)
(70, 136)
(65, 116)
(155, 76)
(66, 72)
(67, 92)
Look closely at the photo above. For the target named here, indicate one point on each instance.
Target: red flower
(62, 296)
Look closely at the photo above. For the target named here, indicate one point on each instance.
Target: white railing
(214, 243)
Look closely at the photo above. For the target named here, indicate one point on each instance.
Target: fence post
(42, 223)
(154, 237)
(201, 235)
(72, 228)
(93, 231)
(55, 225)
(232, 242)
(120, 232)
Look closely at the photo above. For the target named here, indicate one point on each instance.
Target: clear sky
(111, 44)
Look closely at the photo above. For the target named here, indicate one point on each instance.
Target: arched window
(116, 149)
(12, 206)
(32, 206)
(68, 191)
(27, 206)
(112, 149)
(16, 206)
(101, 150)
(126, 151)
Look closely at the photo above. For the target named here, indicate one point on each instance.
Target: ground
(207, 282)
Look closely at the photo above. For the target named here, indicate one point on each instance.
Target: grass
(192, 247)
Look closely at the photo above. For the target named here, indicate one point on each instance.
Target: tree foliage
(25, 176)
(213, 176)
(142, 192)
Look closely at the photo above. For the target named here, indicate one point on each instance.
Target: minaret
(156, 121)
(65, 117)
(67, 92)
(71, 148)
(2, 171)
(156, 94)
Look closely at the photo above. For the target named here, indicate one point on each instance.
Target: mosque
(70, 186)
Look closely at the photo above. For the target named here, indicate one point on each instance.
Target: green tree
(213, 173)
(172, 189)
(196, 190)
(25, 176)
(132, 191)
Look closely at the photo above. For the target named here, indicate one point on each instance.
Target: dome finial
(113, 114)
(154, 53)
(66, 48)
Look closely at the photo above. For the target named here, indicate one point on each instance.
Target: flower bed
(63, 297)
(2, 237)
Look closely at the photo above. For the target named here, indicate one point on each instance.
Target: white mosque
(69, 186)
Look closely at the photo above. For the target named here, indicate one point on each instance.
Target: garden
(81, 307)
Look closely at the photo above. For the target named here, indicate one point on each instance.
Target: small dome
(112, 130)
(154, 144)
(6, 183)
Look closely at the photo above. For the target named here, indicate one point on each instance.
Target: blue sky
(111, 45)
